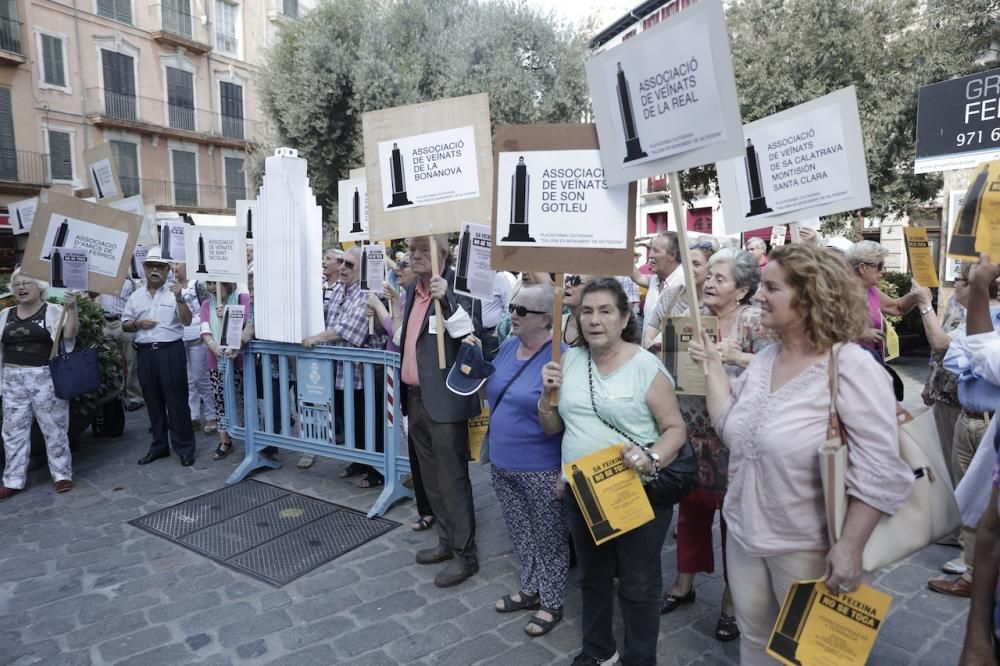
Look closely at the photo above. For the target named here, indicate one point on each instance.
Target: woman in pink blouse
(774, 416)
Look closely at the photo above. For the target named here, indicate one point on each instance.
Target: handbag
(929, 513)
(670, 484)
(73, 373)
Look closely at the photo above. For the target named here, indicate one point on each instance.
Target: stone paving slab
(78, 585)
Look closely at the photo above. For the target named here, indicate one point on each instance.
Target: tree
(346, 57)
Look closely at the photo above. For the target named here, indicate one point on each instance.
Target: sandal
(306, 461)
(222, 451)
(371, 480)
(543, 626)
(508, 604)
(672, 601)
(354, 469)
(726, 630)
(424, 523)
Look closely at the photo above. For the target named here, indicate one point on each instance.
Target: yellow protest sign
(819, 628)
(921, 259)
(978, 226)
(478, 425)
(610, 495)
(891, 347)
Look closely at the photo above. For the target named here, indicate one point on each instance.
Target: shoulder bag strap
(593, 403)
(503, 391)
(833, 428)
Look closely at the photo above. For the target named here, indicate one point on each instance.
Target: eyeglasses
(21, 283)
(349, 264)
(403, 265)
(880, 266)
(522, 311)
(702, 245)
(573, 280)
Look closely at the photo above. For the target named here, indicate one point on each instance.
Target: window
(236, 184)
(180, 98)
(185, 178)
(231, 108)
(8, 149)
(119, 85)
(126, 163)
(226, 15)
(290, 8)
(53, 61)
(119, 10)
(10, 27)
(61, 155)
(177, 17)
(650, 21)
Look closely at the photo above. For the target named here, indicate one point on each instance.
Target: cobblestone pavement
(80, 586)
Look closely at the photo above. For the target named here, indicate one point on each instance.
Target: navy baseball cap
(470, 371)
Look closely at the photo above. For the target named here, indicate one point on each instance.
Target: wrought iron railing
(10, 35)
(21, 166)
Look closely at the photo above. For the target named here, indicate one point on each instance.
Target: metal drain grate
(271, 534)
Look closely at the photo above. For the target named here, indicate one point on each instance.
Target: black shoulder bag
(484, 451)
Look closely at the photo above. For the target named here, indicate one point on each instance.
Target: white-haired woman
(28, 330)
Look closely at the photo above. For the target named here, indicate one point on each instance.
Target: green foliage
(346, 57)
(4, 282)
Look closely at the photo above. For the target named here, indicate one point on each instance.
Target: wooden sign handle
(557, 307)
(437, 307)
(682, 241)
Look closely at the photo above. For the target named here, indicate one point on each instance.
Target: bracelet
(924, 311)
(543, 411)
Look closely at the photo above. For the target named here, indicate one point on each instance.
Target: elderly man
(758, 248)
(438, 418)
(157, 314)
(665, 258)
(347, 326)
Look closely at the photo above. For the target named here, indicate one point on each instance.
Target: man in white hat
(157, 315)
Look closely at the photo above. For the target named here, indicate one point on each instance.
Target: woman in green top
(611, 387)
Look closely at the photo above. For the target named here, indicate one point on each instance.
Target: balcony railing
(172, 194)
(20, 166)
(177, 22)
(10, 35)
(178, 27)
(135, 111)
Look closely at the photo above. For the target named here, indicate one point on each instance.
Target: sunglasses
(702, 245)
(522, 311)
(880, 266)
(349, 264)
(573, 281)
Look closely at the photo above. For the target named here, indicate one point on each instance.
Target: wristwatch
(654, 457)
(924, 311)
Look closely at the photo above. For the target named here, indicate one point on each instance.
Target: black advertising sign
(958, 123)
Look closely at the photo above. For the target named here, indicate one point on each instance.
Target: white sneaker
(955, 566)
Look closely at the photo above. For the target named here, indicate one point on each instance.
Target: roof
(627, 21)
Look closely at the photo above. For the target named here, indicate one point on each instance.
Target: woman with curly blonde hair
(774, 419)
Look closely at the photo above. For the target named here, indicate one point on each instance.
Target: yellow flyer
(921, 259)
(890, 349)
(610, 495)
(977, 228)
(819, 628)
(478, 425)
(689, 376)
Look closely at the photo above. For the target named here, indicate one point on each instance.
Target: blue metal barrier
(316, 417)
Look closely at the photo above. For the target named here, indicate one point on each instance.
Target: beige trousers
(968, 435)
(945, 416)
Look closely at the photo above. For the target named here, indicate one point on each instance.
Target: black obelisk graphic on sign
(633, 151)
(201, 254)
(20, 222)
(134, 268)
(464, 247)
(356, 213)
(669, 347)
(249, 223)
(963, 241)
(364, 269)
(599, 525)
(57, 268)
(398, 180)
(520, 190)
(97, 183)
(165, 243)
(758, 204)
(60, 240)
(225, 328)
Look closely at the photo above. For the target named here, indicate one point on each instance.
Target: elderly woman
(572, 290)
(212, 315)
(613, 391)
(732, 280)
(673, 301)
(27, 332)
(774, 418)
(525, 462)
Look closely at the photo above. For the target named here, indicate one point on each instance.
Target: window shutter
(236, 186)
(106, 8)
(8, 149)
(123, 11)
(127, 165)
(53, 66)
(60, 155)
(185, 178)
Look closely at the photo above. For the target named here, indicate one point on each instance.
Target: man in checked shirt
(347, 326)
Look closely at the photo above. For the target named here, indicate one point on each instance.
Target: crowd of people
(791, 324)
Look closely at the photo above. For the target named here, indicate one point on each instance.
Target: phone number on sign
(974, 138)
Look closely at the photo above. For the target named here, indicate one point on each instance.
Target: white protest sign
(559, 198)
(373, 269)
(104, 181)
(473, 275)
(172, 244)
(666, 99)
(104, 245)
(217, 254)
(778, 233)
(132, 205)
(232, 326)
(352, 208)
(248, 215)
(68, 269)
(807, 161)
(431, 168)
(135, 267)
(22, 214)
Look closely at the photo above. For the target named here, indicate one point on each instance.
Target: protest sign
(103, 178)
(677, 333)
(479, 425)
(666, 99)
(428, 167)
(247, 215)
(217, 254)
(958, 123)
(172, 243)
(352, 209)
(108, 236)
(778, 234)
(554, 211)
(473, 275)
(610, 495)
(68, 269)
(971, 232)
(372, 269)
(136, 271)
(952, 267)
(22, 214)
(232, 326)
(818, 626)
(921, 259)
(807, 161)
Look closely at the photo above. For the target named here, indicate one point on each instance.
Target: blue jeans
(634, 558)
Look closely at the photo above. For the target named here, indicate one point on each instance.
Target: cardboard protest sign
(22, 214)
(676, 334)
(807, 161)
(232, 326)
(247, 215)
(610, 495)
(921, 259)
(373, 269)
(172, 243)
(352, 209)
(473, 275)
(217, 254)
(554, 210)
(818, 626)
(103, 178)
(428, 167)
(68, 269)
(108, 236)
(665, 100)
(957, 123)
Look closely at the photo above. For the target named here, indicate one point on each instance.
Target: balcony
(656, 188)
(107, 108)
(21, 171)
(185, 197)
(11, 52)
(180, 28)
